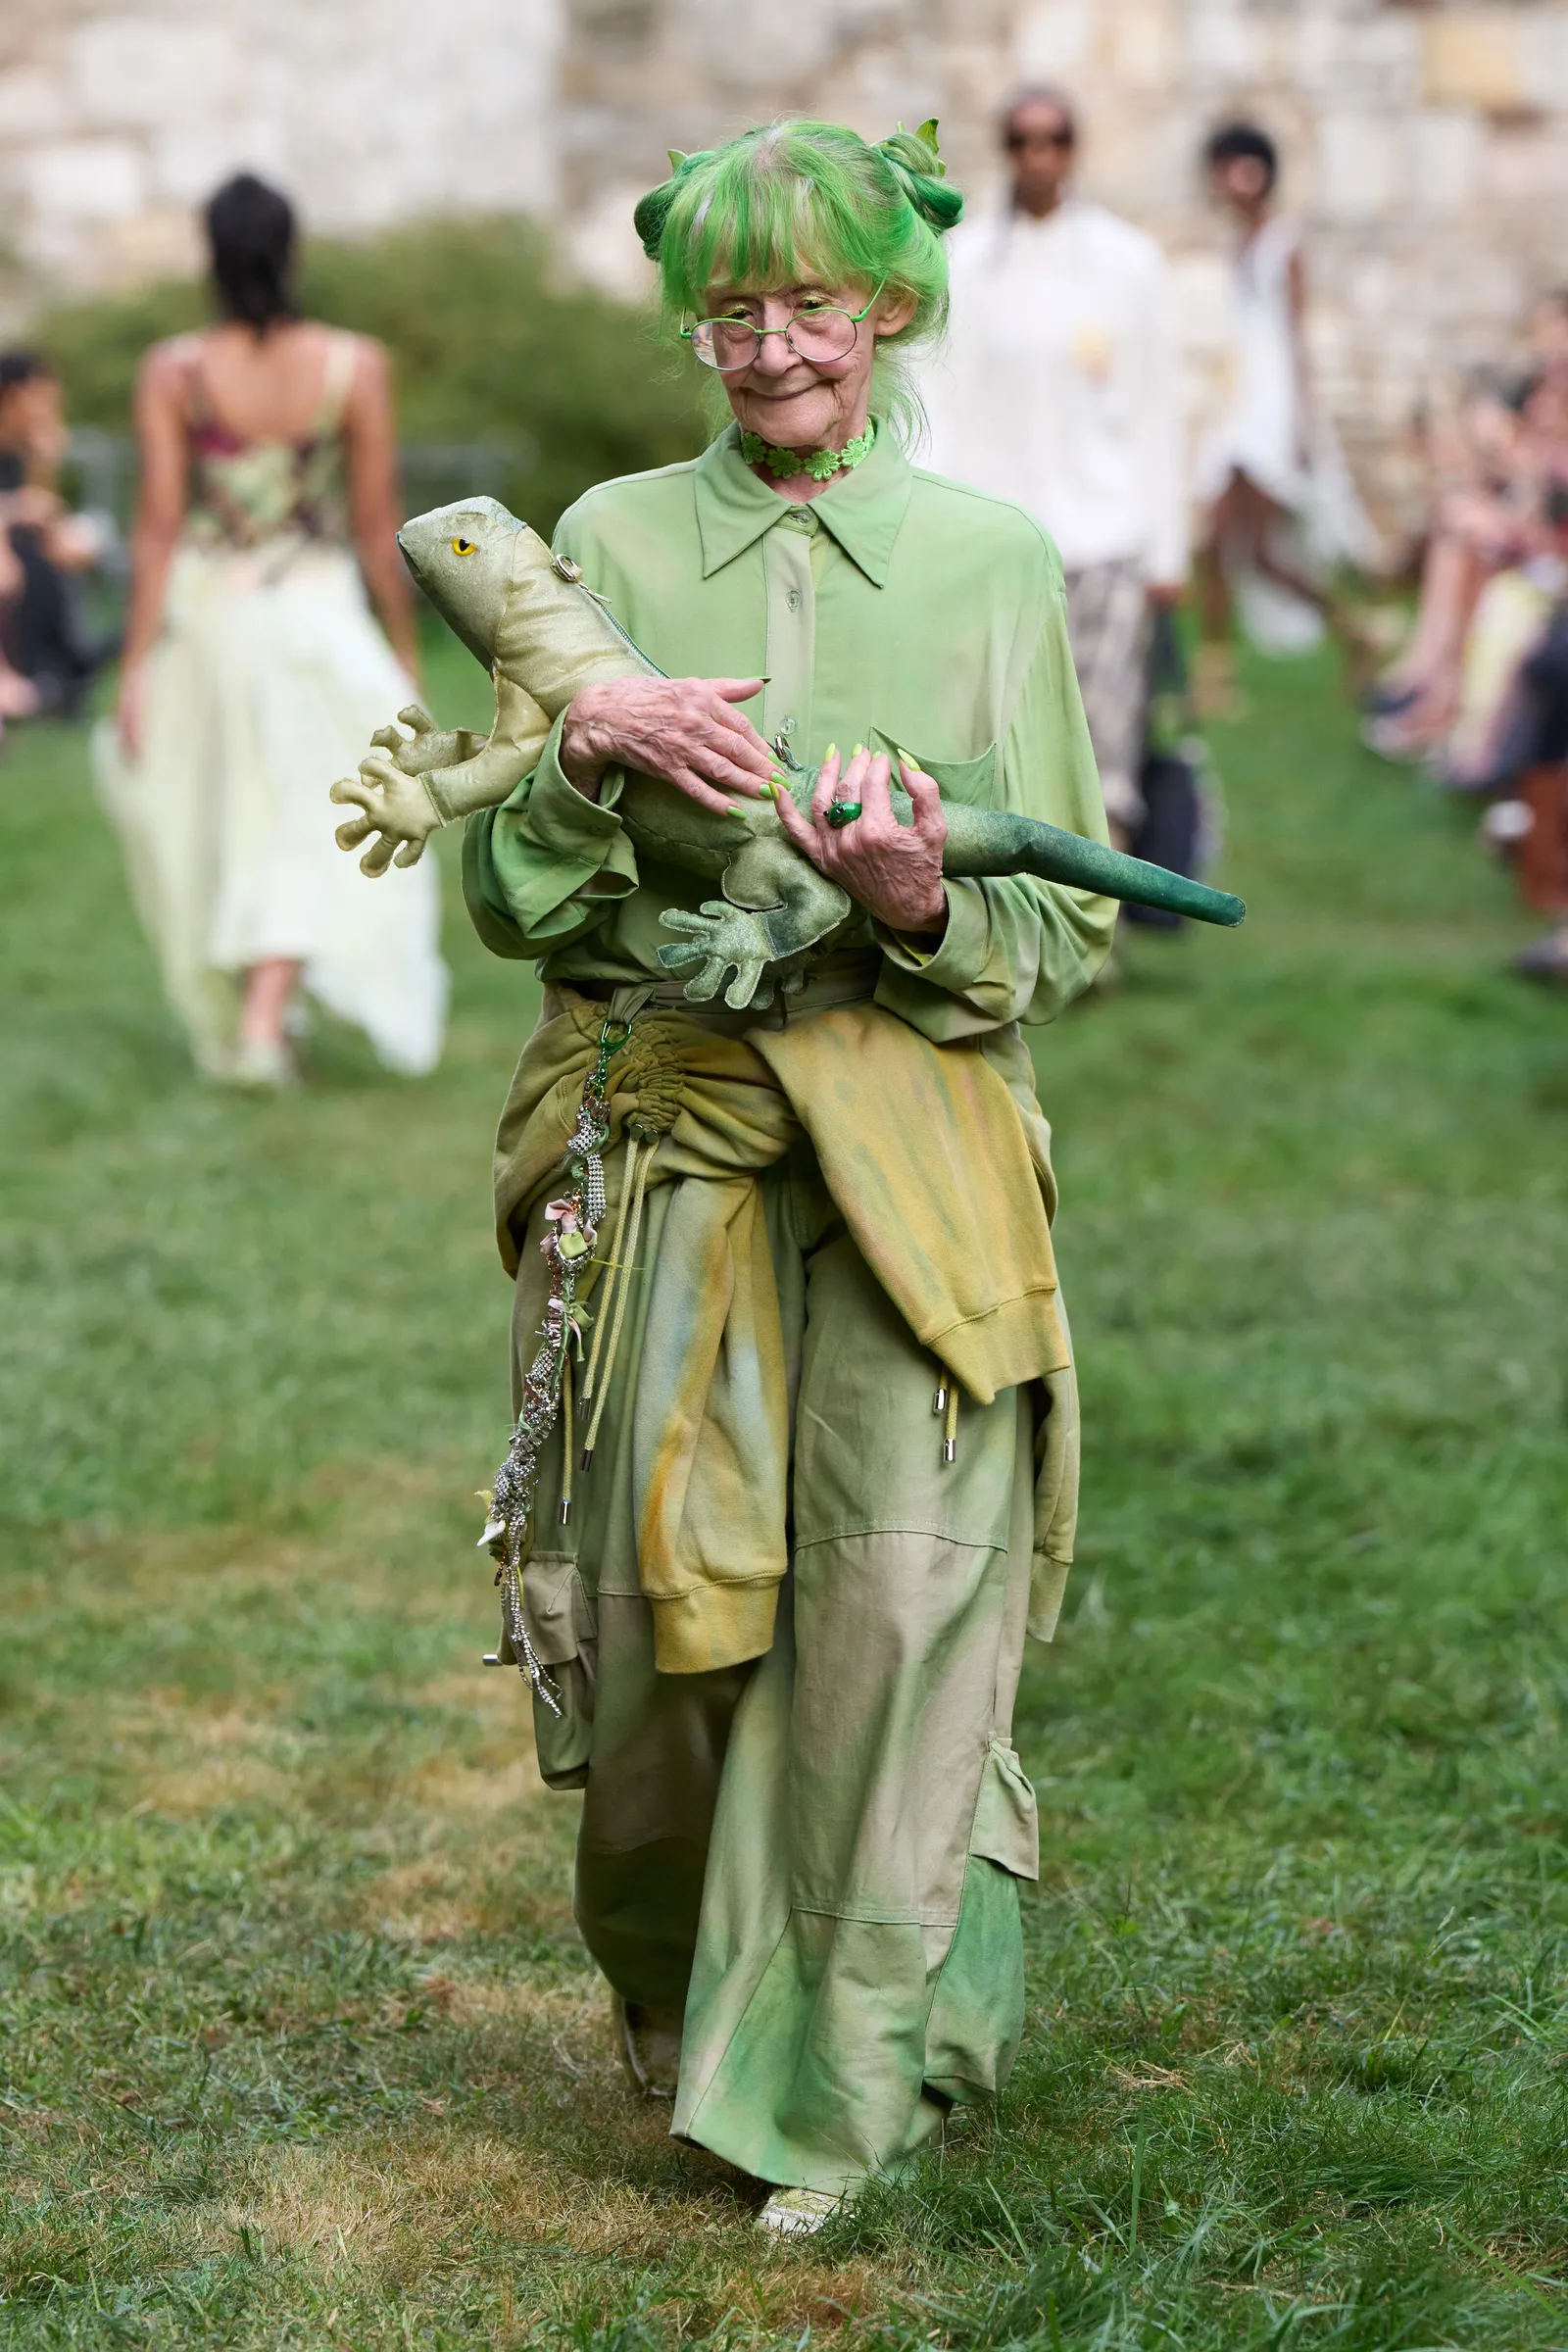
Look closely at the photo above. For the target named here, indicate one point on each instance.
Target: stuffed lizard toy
(543, 635)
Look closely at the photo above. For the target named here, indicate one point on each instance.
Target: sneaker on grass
(798, 2212)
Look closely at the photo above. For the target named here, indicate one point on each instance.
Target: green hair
(792, 199)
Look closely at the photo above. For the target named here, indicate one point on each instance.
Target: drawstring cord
(612, 1267)
(567, 1420)
(945, 1405)
(639, 1165)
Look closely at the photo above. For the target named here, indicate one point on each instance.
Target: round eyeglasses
(819, 334)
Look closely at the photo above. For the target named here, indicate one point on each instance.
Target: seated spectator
(1480, 509)
(1481, 689)
(44, 645)
(19, 697)
(1490, 474)
(1530, 764)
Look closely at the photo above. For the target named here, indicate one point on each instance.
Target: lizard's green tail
(995, 841)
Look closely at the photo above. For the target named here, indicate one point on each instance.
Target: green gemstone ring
(843, 812)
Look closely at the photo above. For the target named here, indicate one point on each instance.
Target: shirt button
(793, 599)
(786, 726)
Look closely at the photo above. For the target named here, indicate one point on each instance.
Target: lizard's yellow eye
(463, 547)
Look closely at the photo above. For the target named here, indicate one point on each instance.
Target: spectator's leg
(1452, 579)
(1543, 851)
(1454, 575)
(1543, 872)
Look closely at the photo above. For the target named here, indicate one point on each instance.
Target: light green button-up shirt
(896, 609)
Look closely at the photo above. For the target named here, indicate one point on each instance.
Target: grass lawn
(299, 2045)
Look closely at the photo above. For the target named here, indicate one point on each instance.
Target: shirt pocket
(970, 782)
(1006, 1820)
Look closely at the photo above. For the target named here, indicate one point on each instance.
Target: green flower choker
(821, 463)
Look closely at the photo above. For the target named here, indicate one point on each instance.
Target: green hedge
(489, 346)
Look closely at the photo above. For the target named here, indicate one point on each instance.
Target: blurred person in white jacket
(1058, 389)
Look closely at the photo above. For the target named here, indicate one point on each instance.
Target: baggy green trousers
(814, 1856)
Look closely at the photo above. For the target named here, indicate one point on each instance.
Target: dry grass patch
(441, 1786)
(433, 1901)
(159, 1565)
(194, 1791)
(398, 2218)
(411, 2205)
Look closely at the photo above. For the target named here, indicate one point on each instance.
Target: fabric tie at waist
(925, 1156)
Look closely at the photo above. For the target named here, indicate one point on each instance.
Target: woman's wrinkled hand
(893, 870)
(686, 730)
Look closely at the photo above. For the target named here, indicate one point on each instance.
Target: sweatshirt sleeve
(548, 863)
(1016, 948)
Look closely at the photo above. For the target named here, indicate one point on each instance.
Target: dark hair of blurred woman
(249, 232)
(1243, 142)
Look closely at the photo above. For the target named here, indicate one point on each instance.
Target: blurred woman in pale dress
(255, 673)
(1279, 506)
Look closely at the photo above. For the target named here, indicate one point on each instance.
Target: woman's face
(800, 403)
(1239, 181)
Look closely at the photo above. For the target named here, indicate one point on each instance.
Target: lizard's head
(462, 557)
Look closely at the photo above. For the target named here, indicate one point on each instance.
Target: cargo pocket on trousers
(1006, 1820)
(563, 1631)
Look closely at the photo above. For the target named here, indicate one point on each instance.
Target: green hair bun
(918, 165)
(653, 212)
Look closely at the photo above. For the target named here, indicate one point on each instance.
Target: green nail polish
(831, 753)
(766, 790)
(858, 749)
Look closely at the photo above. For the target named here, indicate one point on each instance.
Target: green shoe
(799, 2212)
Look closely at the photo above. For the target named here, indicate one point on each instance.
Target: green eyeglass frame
(829, 310)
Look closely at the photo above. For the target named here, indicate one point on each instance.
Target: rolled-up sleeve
(547, 865)
(1016, 948)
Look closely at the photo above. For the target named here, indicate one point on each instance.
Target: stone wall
(1425, 145)
(1425, 148)
(116, 121)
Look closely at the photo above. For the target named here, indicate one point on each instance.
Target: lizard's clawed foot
(416, 743)
(719, 939)
(393, 805)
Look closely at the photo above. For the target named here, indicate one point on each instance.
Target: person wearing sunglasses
(1059, 387)
(812, 1474)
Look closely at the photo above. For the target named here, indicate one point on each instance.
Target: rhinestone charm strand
(571, 1228)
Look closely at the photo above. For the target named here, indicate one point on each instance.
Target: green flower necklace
(821, 464)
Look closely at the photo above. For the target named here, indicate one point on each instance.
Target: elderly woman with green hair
(819, 1474)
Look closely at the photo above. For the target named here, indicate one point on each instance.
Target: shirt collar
(862, 511)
